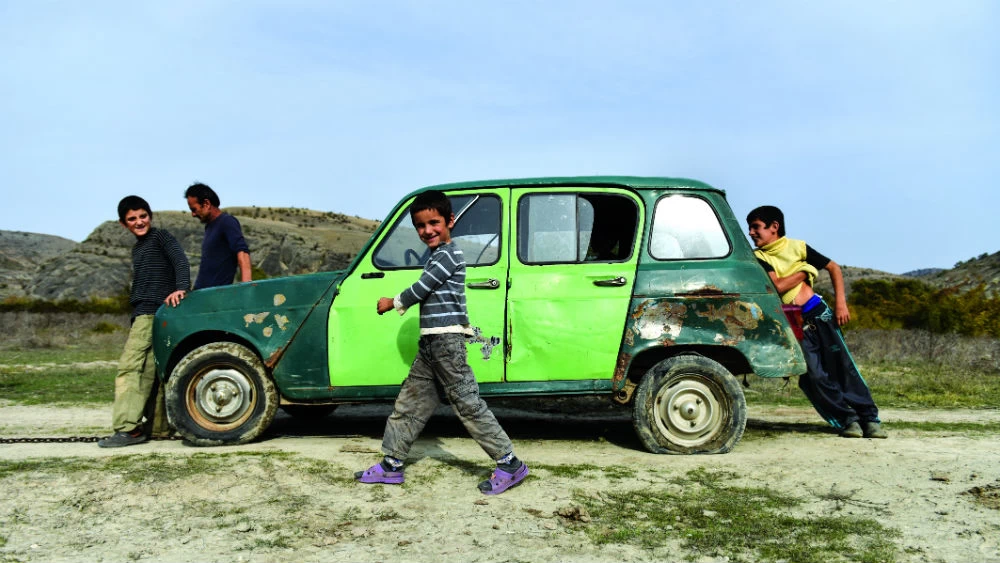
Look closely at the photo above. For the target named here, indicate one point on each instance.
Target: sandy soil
(916, 482)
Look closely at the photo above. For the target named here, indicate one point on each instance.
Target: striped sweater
(159, 268)
(440, 291)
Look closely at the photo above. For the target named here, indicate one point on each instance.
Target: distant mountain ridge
(287, 241)
(283, 241)
(983, 270)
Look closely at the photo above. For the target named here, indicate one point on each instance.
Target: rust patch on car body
(258, 318)
(624, 359)
(737, 316)
(273, 359)
(654, 320)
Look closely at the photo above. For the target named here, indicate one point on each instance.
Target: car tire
(689, 405)
(220, 394)
(308, 413)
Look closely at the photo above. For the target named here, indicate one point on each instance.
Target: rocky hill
(984, 269)
(21, 254)
(966, 275)
(824, 286)
(283, 241)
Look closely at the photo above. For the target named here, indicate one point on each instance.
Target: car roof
(635, 182)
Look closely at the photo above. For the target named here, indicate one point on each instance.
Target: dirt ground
(917, 482)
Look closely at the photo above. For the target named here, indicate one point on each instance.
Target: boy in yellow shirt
(833, 383)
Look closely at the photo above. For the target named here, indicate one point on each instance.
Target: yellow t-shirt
(788, 256)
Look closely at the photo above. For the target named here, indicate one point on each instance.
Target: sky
(875, 126)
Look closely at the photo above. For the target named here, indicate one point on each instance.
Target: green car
(640, 289)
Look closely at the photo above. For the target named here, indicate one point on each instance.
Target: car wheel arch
(729, 357)
(199, 339)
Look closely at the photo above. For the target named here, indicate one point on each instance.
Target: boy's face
(432, 227)
(138, 222)
(762, 234)
(200, 209)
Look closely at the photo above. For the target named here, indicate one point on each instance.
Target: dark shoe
(502, 480)
(874, 430)
(378, 474)
(853, 430)
(122, 439)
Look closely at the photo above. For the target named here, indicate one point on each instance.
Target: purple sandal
(378, 474)
(500, 480)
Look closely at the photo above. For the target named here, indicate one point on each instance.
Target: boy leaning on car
(160, 274)
(832, 383)
(441, 358)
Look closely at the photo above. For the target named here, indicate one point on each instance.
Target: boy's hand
(385, 305)
(842, 313)
(174, 299)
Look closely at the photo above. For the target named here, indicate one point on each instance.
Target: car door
(366, 349)
(570, 281)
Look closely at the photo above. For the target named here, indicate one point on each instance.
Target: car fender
(265, 315)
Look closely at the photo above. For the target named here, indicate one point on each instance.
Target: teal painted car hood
(266, 314)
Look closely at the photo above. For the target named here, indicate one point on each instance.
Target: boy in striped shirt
(441, 358)
(160, 274)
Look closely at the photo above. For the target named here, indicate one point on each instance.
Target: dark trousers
(442, 365)
(833, 383)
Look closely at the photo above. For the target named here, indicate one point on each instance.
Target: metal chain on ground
(69, 439)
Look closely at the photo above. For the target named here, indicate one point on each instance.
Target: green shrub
(99, 305)
(913, 304)
(105, 327)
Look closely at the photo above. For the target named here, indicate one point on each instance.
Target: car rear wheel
(689, 405)
(220, 394)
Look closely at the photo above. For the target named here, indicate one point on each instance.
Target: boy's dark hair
(432, 199)
(201, 192)
(768, 214)
(131, 203)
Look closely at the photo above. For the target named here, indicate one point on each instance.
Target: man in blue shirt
(223, 247)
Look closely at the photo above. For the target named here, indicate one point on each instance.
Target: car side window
(686, 227)
(476, 232)
(477, 229)
(575, 228)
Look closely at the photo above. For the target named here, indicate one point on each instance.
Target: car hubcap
(221, 399)
(688, 412)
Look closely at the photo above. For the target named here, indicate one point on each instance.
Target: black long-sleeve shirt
(159, 268)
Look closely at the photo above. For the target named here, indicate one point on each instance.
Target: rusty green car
(643, 290)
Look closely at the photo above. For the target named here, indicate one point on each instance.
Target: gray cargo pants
(441, 363)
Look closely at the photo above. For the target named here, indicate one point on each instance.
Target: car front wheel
(689, 405)
(220, 394)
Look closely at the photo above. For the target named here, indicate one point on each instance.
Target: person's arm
(788, 282)
(440, 267)
(783, 285)
(233, 232)
(820, 262)
(243, 258)
(840, 309)
(182, 270)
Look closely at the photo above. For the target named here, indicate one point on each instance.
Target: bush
(96, 305)
(104, 327)
(913, 304)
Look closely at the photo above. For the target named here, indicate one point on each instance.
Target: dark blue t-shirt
(223, 239)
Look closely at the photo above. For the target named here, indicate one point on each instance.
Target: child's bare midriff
(805, 294)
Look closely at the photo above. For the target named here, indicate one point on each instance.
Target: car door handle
(488, 284)
(370, 275)
(613, 282)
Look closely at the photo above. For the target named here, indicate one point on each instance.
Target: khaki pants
(441, 363)
(138, 393)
